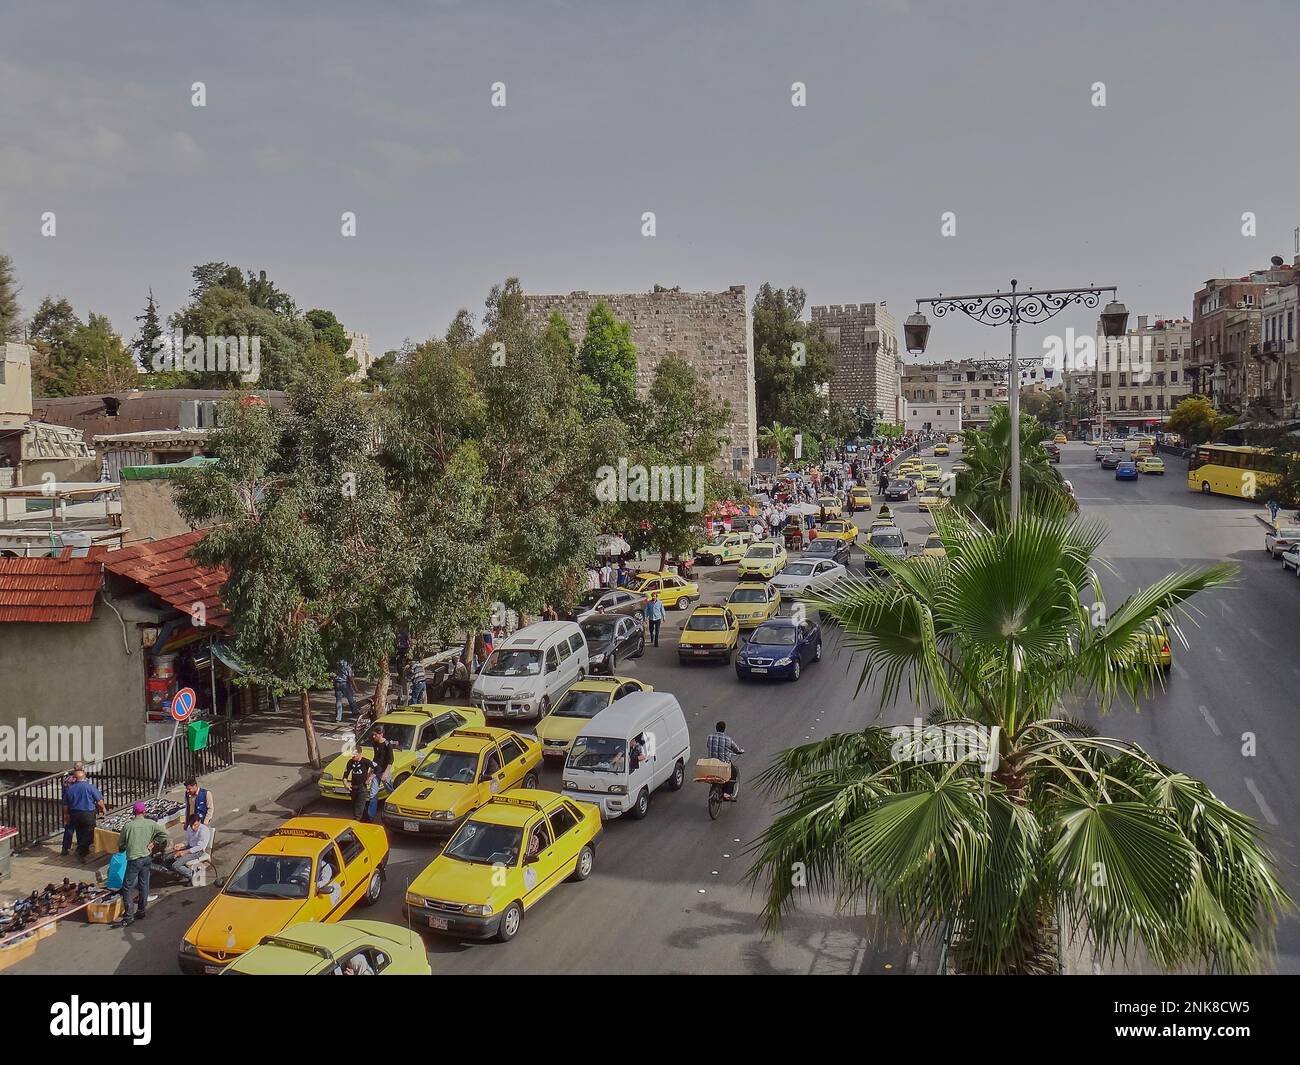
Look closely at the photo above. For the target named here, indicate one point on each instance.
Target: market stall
(167, 812)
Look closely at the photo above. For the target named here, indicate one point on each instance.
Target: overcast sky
(618, 107)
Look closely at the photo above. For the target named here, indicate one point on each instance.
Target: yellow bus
(1233, 470)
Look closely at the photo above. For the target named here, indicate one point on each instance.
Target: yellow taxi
(882, 523)
(960, 467)
(752, 603)
(1153, 646)
(1151, 464)
(933, 473)
(954, 438)
(412, 730)
(932, 499)
(502, 861)
(908, 465)
(838, 529)
(1059, 438)
(710, 632)
(933, 547)
(859, 498)
(917, 478)
(763, 560)
(673, 591)
(308, 869)
(349, 947)
(830, 505)
(460, 774)
(587, 698)
(941, 449)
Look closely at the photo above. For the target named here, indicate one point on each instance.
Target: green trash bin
(196, 735)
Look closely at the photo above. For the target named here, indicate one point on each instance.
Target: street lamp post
(1030, 306)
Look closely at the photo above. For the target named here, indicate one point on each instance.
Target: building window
(1160, 401)
(1173, 377)
(1123, 402)
(974, 410)
(1105, 380)
(1146, 402)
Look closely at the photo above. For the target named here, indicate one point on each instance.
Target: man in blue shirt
(84, 801)
(654, 614)
(343, 689)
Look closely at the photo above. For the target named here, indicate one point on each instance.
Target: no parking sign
(182, 704)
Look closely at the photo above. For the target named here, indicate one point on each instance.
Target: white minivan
(635, 745)
(528, 672)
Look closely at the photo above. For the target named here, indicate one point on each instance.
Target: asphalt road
(669, 893)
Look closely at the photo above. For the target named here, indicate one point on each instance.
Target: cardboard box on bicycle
(712, 771)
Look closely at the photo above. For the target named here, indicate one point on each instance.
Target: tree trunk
(309, 728)
(380, 701)
(467, 655)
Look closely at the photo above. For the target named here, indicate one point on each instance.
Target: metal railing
(36, 808)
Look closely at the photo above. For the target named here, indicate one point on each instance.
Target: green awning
(164, 470)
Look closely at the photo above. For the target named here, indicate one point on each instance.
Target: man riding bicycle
(724, 749)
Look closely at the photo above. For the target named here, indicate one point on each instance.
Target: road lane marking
(1264, 808)
(1260, 638)
(1205, 713)
(1225, 607)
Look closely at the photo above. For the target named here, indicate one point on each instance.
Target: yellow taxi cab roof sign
(304, 833)
(510, 800)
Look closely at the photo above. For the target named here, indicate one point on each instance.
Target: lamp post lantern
(1030, 306)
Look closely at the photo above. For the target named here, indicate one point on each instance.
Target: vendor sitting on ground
(188, 858)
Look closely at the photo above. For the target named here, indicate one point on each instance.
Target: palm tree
(1070, 826)
(778, 439)
(985, 486)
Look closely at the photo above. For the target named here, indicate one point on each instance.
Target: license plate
(439, 923)
(758, 669)
(212, 970)
(410, 826)
(703, 652)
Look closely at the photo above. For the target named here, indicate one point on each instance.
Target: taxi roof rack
(477, 733)
(292, 944)
(305, 833)
(511, 800)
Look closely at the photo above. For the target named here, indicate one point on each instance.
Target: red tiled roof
(166, 569)
(50, 589)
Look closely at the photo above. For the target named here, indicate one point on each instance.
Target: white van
(600, 769)
(528, 672)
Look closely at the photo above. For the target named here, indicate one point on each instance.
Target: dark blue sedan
(1126, 471)
(780, 647)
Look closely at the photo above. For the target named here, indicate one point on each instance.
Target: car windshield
(1292, 533)
(455, 766)
(883, 539)
(485, 844)
(799, 569)
(748, 595)
(598, 632)
(706, 623)
(779, 635)
(761, 552)
(400, 736)
(897, 486)
(513, 663)
(597, 754)
(933, 541)
(271, 876)
(581, 704)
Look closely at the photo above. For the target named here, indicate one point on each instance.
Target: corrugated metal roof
(59, 589)
(167, 570)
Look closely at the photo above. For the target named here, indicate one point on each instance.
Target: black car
(1112, 459)
(611, 637)
(899, 490)
(826, 547)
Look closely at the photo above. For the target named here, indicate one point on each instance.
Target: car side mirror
(531, 859)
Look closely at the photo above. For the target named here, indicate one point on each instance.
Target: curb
(1266, 523)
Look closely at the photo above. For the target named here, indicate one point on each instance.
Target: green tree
(792, 361)
(985, 486)
(145, 345)
(10, 324)
(777, 440)
(502, 446)
(685, 432)
(607, 359)
(1196, 420)
(996, 636)
(73, 357)
(311, 533)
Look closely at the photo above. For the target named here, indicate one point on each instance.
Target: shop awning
(228, 658)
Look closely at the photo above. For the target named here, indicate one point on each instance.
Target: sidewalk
(269, 782)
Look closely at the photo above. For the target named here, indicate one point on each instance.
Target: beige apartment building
(963, 384)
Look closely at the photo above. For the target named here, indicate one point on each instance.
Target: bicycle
(710, 771)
